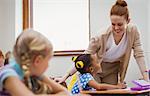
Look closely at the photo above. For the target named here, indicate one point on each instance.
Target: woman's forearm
(142, 67)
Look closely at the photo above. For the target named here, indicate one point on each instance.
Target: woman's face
(119, 24)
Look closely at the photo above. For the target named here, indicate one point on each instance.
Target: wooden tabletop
(115, 91)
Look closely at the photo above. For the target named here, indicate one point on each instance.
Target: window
(64, 22)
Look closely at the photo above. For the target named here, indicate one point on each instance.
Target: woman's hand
(146, 76)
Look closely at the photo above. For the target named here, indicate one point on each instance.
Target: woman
(114, 47)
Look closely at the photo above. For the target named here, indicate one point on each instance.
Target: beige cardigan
(98, 45)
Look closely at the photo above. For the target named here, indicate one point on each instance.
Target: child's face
(41, 64)
(95, 64)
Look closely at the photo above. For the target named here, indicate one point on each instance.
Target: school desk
(118, 92)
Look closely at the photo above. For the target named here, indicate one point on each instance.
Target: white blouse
(114, 52)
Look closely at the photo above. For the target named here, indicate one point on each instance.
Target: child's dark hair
(82, 62)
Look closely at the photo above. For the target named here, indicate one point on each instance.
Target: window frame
(28, 23)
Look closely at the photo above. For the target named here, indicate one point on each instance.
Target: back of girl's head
(120, 9)
(82, 62)
(29, 44)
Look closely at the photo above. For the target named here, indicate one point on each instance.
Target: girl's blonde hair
(29, 44)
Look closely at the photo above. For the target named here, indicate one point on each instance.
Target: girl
(87, 65)
(24, 76)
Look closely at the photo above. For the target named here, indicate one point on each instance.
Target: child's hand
(121, 85)
(59, 79)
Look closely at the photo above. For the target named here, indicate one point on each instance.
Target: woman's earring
(91, 69)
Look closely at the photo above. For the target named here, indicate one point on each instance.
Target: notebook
(141, 83)
(138, 88)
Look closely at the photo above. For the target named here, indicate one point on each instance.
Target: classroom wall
(99, 20)
(7, 24)
(148, 36)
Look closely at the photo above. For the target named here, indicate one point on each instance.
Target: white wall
(99, 20)
(148, 36)
(18, 17)
(7, 24)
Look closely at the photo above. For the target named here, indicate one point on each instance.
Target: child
(7, 58)
(87, 65)
(24, 77)
(1, 59)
